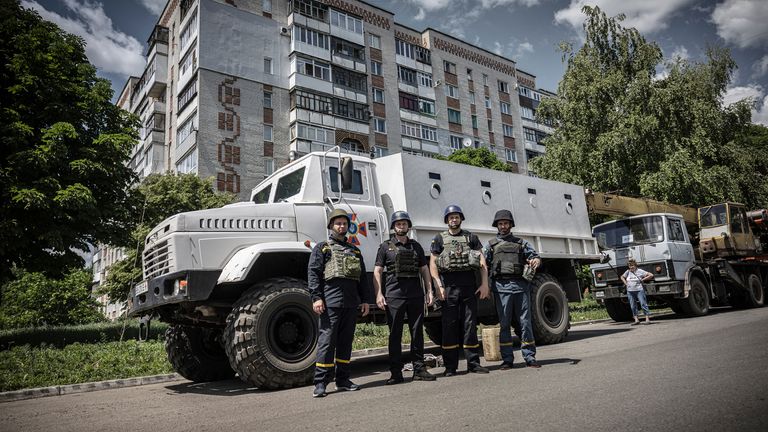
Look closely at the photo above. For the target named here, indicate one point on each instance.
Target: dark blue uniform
(342, 298)
(459, 312)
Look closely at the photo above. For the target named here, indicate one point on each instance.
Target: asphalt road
(700, 374)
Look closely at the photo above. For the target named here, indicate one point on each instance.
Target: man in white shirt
(633, 278)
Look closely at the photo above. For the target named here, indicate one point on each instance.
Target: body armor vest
(457, 255)
(344, 263)
(507, 258)
(406, 263)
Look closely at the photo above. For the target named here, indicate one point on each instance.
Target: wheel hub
(288, 332)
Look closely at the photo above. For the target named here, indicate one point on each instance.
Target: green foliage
(163, 196)
(621, 127)
(33, 299)
(481, 157)
(26, 367)
(64, 180)
(61, 336)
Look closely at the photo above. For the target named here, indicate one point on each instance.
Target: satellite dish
(467, 142)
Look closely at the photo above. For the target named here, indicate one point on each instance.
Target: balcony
(538, 126)
(153, 81)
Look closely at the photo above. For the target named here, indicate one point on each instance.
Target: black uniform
(459, 312)
(342, 298)
(405, 296)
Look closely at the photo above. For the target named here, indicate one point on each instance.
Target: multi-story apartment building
(234, 89)
(534, 131)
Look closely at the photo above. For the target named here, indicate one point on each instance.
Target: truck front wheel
(196, 353)
(618, 310)
(549, 307)
(271, 334)
(697, 302)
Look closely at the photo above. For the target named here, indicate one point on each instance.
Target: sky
(526, 31)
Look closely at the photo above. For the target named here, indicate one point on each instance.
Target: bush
(88, 333)
(33, 300)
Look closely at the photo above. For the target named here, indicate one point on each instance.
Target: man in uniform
(507, 256)
(338, 286)
(403, 295)
(455, 258)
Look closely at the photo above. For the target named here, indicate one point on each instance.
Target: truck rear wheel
(271, 334)
(697, 302)
(618, 310)
(549, 307)
(196, 353)
(754, 296)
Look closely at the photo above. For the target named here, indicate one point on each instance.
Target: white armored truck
(232, 281)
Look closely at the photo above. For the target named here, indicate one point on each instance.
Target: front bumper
(161, 291)
(662, 289)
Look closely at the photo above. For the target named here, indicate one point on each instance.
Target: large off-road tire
(271, 334)
(197, 354)
(549, 310)
(753, 297)
(618, 310)
(697, 302)
(434, 329)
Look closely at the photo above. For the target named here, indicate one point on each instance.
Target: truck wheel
(618, 310)
(549, 307)
(697, 303)
(753, 297)
(271, 334)
(434, 329)
(196, 353)
(676, 307)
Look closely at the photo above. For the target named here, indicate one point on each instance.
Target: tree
(163, 196)
(481, 157)
(63, 177)
(621, 127)
(33, 300)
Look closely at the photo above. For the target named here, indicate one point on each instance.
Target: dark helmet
(503, 215)
(453, 208)
(398, 216)
(337, 213)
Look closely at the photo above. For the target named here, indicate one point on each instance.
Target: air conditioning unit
(284, 30)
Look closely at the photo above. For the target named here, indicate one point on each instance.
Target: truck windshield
(628, 232)
(712, 216)
(289, 185)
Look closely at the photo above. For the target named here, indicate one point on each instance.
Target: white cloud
(109, 49)
(487, 4)
(680, 52)
(759, 99)
(421, 15)
(154, 6)
(431, 5)
(513, 49)
(646, 16)
(742, 22)
(760, 67)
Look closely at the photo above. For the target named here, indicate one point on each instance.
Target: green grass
(587, 310)
(62, 336)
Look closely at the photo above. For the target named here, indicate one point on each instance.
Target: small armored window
(485, 183)
(532, 191)
(434, 176)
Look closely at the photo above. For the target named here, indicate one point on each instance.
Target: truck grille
(246, 224)
(157, 259)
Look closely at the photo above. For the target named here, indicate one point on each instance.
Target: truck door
(680, 247)
(743, 240)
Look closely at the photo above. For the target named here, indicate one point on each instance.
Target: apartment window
(378, 95)
(268, 133)
(188, 62)
(407, 75)
(189, 31)
(375, 68)
(524, 91)
(454, 116)
(527, 113)
(351, 110)
(488, 102)
(410, 129)
(267, 100)
(380, 125)
(310, 133)
(426, 106)
(348, 49)
(425, 79)
(472, 97)
(403, 48)
(422, 55)
(490, 125)
(508, 130)
(346, 22)
(530, 134)
(451, 91)
(266, 5)
(505, 108)
(503, 86)
(313, 68)
(409, 102)
(449, 67)
(474, 122)
(188, 164)
(268, 65)
(186, 128)
(428, 133)
(311, 37)
(485, 79)
(374, 41)
(455, 143)
(510, 155)
(311, 101)
(187, 95)
(469, 74)
(351, 80)
(380, 151)
(269, 168)
(310, 8)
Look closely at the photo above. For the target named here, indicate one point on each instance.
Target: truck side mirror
(347, 169)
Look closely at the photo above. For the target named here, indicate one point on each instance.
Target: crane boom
(617, 205)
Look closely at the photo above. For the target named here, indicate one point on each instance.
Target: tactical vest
(457, 255)
(406, 263)
(507, 258)
(344, 263)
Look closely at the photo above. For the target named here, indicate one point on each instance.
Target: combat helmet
(453, 208)
(337, 213)
(398, 216)
(503, 215)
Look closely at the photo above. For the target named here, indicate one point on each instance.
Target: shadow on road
(580, 334)
(216, 388)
